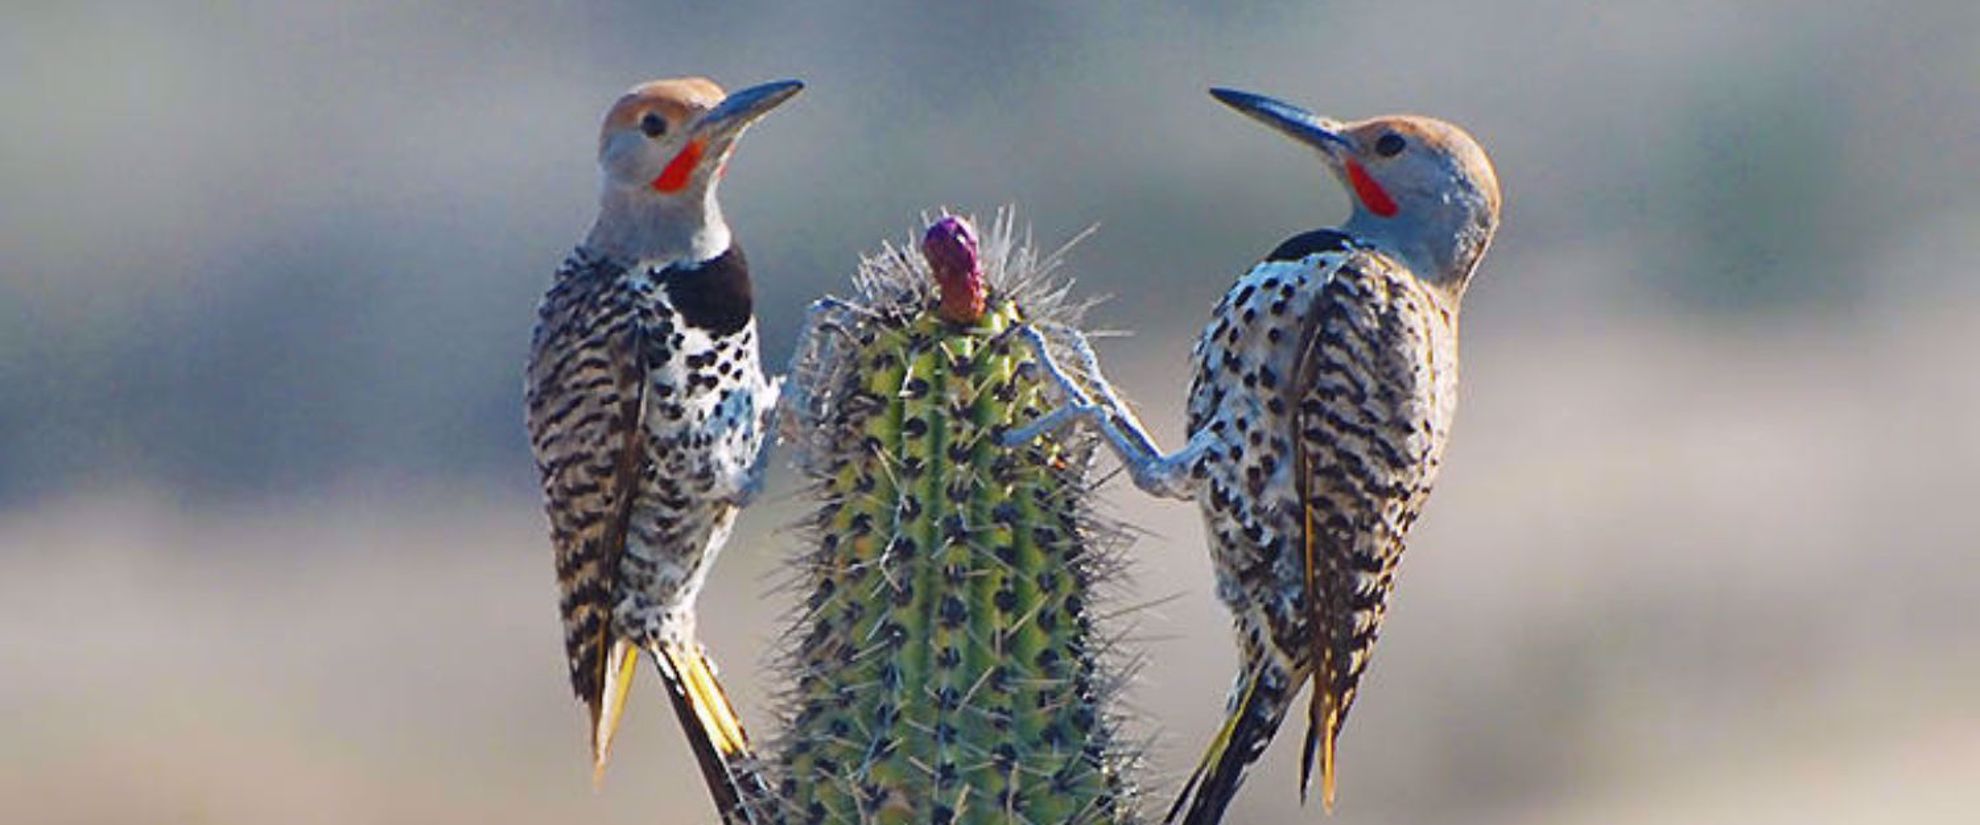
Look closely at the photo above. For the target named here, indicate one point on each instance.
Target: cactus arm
(945, 666)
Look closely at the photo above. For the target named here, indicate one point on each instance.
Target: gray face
(1422, 188)
(650, 126)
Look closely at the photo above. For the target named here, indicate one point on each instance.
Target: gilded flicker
(1322, 400)
(648, 410)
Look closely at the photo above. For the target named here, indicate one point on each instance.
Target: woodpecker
(1324, 388)
(647, 410)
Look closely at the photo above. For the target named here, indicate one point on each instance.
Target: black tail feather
(1258, 706)
(714, 733)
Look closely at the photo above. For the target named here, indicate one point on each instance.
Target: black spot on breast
(713, 295)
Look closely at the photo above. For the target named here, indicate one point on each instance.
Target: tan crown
(678, 99)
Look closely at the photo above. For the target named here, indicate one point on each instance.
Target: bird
(648, 408)
(1321, 403)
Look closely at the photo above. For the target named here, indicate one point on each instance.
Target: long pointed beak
(1291, 121)
(739, 110)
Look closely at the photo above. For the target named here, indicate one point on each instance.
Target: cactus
(945, 666)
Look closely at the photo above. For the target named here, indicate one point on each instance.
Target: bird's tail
(609, 704)
(1258, 705)
(1323, 726)
(714, 732)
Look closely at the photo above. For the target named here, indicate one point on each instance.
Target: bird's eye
(653, 125)
(1389, 145)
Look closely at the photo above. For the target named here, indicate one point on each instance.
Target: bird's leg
(1157, 474)
(815, 314)
(1074, 402)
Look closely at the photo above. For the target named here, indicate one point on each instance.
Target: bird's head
(662, 148)
(1423, 188)
(672, 137)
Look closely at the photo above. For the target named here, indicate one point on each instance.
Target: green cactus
(945, 665)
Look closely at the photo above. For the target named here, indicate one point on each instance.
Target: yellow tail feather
(1330, 732)
(620, 662)
(1323, 726)
(714, 732)
(710, 701)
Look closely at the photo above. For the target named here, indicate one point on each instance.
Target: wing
(1366, 410)
(1321, 352)
(585, 403)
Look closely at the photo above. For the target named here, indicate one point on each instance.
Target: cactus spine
(946, 667)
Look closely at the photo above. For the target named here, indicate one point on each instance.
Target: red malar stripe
(679, 169)
(1371, 193)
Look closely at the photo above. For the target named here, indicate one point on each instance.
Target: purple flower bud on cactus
(950, 247)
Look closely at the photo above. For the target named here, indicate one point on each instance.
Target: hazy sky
(260, 247)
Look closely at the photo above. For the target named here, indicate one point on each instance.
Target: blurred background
(1704, 550)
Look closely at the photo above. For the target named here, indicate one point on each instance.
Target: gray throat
(636, 225)
(1447, 263)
